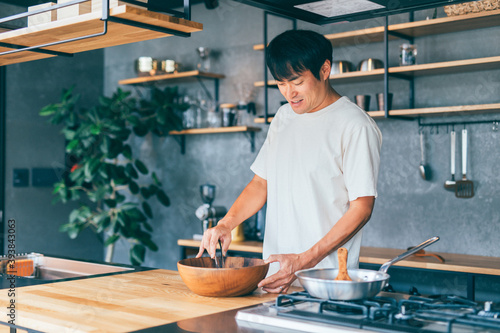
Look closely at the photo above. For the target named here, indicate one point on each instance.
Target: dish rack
(22, 265)
(471, 7)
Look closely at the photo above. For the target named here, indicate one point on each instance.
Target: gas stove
(387, 312)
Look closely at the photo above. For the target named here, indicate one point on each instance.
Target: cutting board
(116, 303)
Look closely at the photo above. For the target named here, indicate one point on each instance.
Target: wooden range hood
(124, 24)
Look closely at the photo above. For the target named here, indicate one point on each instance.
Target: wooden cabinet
(126, 24)
(412, 30)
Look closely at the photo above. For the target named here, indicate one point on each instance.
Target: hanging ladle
(450, 184)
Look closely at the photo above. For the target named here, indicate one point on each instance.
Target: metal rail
(39, 48)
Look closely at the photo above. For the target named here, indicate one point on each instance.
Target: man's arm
(354, 219)
(251, 199)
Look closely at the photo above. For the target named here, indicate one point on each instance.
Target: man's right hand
(211, 238)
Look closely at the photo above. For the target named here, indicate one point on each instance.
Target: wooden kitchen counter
(116, 303)
(374, 255)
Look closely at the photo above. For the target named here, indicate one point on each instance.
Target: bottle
(228, 114)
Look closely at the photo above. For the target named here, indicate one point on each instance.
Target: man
(317, 169)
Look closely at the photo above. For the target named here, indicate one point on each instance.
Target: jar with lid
(228, 113)
(243, 115)
(213, 118)
(407, 55)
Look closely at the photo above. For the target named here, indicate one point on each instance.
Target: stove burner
(437, 313)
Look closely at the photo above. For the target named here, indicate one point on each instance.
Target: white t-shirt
(314, 164)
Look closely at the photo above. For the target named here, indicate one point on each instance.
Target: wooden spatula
(342, 255)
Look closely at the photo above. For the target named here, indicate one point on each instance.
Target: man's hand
(281, 281)
(211, 238)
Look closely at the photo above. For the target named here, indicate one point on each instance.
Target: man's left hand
(281, 281)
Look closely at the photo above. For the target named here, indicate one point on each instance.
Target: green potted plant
(113, 186)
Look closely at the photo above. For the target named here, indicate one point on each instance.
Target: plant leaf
(134, 188)
(141, 167)
(147, 209)
(163, 198)
(111, 239)
(137, 254)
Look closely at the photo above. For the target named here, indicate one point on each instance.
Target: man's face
(304, 92)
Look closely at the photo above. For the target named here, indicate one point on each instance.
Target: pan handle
(385, 267)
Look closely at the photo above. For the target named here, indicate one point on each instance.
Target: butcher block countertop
(374, 255)
(116, 303)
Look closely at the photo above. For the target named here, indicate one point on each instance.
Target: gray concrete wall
(31, 142)
(408, 209)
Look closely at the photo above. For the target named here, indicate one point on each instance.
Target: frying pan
(365, 283)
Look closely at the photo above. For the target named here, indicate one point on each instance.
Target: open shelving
(247, 130)
(429, 111)
(171, 77)
(146, 25)
(410, 30)
(442, 25)
(438, 68)
(187, 76)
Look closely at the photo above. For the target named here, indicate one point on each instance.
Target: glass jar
(213, 118)
(228, 113)
(243, 116)
(407, 55)
(189, 118)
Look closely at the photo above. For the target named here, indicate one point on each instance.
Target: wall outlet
(45, 177)
(21, 177)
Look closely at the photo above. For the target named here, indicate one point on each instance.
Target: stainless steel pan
(365, 283)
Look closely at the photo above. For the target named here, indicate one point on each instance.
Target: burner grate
(444, 313)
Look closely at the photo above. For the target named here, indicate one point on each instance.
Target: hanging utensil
(464, 188)
(424, 169)
(451, 184)
(343, 275)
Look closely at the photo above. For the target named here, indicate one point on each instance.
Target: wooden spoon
(342, 255)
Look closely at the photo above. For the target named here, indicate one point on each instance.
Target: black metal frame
(266, 76)
(181, 140)
(3, 95)
(288, 9)
(457, 123)
(410, 39)
(154, 6)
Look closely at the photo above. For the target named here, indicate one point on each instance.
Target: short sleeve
(361, 162)
(258, 167)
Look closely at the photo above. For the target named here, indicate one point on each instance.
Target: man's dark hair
(296, 51)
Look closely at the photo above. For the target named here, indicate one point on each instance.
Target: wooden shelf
(442, 25)
(441, 110)
(247, 130)
(374, 255)
(87, 24)
(173, 77)
(446, 67)
(231, 129)
(261, 120)
(245, 246)
(431, 111)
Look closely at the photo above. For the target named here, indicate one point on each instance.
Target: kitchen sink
(35, 266)
(58, 268)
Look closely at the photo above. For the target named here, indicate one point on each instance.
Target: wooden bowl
(239, 276)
